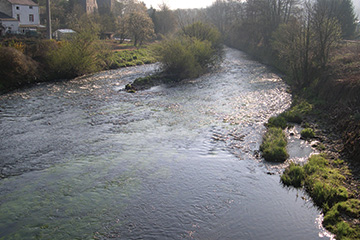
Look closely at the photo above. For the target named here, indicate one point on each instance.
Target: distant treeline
(295, 36)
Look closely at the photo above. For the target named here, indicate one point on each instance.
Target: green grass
(324, 184)
(128, 58)
(307, 133)
(297, 112)
(294, 175)
(273, 147)
(334, 219)
(278, 121)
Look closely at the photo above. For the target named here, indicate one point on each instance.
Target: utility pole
(48, 16)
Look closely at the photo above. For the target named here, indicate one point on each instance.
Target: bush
(273, 147)
(204, 32)
(180, 56)
(192, 53)
(16, 68)
(81, 55)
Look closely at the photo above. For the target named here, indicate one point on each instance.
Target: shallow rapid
(82, 159)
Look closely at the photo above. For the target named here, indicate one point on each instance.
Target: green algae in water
(66, 202)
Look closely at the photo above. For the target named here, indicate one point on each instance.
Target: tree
(204, 32)
(139, 26)
(342, 11)
(327, 29)
(164, 20)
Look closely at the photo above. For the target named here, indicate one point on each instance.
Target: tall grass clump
(273, 147)
(294, 175)
(307, 133)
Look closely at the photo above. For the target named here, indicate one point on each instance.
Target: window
(17, 7)
(31, 17)
(30, 7)
(18, 17)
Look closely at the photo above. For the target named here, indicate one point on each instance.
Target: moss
(273, 147)
(307, 133)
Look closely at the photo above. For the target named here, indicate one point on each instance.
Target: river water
(82, 160)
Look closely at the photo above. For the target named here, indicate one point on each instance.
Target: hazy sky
(175, 4)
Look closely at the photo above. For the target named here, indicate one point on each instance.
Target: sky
(175, 4)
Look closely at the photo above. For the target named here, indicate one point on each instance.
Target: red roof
(23, 2)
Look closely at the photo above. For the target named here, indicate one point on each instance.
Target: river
(82, 159)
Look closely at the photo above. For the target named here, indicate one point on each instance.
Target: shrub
(204, 32)
(273, 147)
(307, 133)
(16, 68)
(177, 58)
(191, 53)
(82, 55)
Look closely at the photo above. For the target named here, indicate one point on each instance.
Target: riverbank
(29, 61)
(335, 119)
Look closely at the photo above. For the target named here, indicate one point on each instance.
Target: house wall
(24, 11)
(90, 6)
(9, 25)
(5, 7)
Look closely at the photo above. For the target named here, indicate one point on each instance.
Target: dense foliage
(191, 52)
(296, 37)
(80, 56)
(16, 66)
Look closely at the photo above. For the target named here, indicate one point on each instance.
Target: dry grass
(345, 65)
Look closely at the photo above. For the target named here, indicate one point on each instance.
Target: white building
(25, 11)
(8, 24)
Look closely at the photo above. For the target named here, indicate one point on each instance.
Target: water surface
(82, 160)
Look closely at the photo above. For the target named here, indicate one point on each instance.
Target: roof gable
(23, 2)
(4, 16)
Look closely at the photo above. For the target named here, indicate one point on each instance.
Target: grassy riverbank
(324, 180)
(27, 61)
(329, 109)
